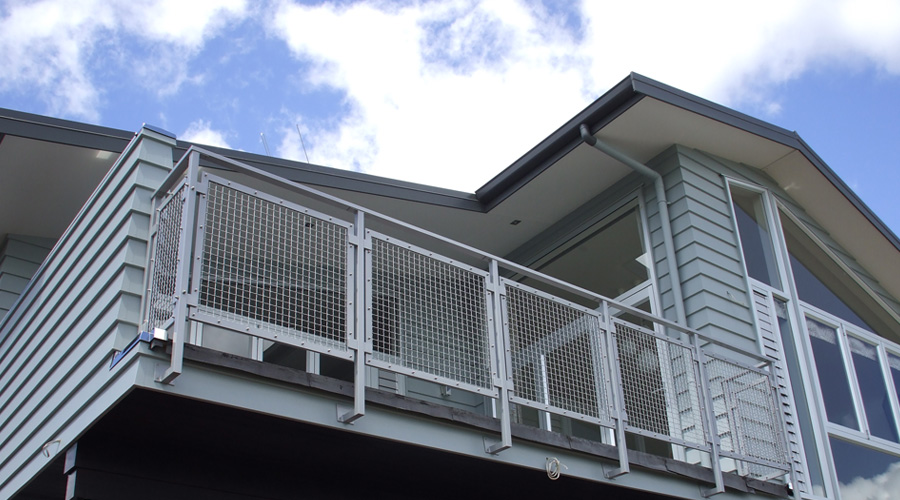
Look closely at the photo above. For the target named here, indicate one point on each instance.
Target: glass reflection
(832, 374)
(865, 473)
(872, 387)
(756, 241)
(804, 419)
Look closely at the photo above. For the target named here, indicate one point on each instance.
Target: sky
(449, 93)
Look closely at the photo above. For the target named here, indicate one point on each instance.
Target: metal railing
(312, 271)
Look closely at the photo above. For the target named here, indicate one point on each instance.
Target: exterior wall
(56, 345)
(723, 167)
(706, 248)
(20, 258)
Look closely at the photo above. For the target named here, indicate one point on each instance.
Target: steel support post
(359, 340)
(499, 330)
(708, 414)
(182, 287)
(618, 396)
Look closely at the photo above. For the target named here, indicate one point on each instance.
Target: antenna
(301, 143)
(262, 137)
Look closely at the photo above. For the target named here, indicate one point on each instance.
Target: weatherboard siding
(20, 258)
(742, 172)
(707, 255)
(56, 344)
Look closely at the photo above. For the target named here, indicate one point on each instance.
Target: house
(663, 299)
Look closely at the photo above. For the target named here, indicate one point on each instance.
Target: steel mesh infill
(659, 385)
(166, 246)
(429, 315)
(273, 268)
(747, 419)
(556, 354)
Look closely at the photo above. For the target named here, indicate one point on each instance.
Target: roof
(640, 116)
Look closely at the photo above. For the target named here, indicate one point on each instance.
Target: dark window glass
(876, 402)
(608, 259)
(823, 284)
(832, 375)
(863, 472)
(756, 241)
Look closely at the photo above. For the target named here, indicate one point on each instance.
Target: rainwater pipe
(665, 222)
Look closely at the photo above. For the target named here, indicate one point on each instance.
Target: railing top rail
(253, 172)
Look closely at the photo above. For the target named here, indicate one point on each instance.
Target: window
(822, 283)
(857, 367)
(756, 240)
(863, 472)
(832, 372)
(609, 258)
(803, 417)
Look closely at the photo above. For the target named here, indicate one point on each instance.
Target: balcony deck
(239, 253)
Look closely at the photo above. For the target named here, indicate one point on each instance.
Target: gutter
(663, 204)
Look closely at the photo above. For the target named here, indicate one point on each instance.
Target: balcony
(242, 254)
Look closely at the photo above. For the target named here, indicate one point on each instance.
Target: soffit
(45, 184)
(839, 217)
(643, 130)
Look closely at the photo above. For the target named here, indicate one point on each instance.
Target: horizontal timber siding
(707, 255)
(20, 258)
(731, 169)
(83, 303)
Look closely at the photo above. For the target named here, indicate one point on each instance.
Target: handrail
(222, 161)
(544, 352)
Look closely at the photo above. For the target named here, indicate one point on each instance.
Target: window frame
(771, 210)
(824, 430)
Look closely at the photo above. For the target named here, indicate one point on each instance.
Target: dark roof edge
(625, 94)
(57, 130)
(848, 193)
(317, 175)
(72, 133)
(737, 119)
(555, 145)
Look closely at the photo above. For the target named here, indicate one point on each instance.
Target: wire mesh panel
(166, 245)
(556, 353)
(428, 316)
(660, 386)
(273, 268)
(747, 418)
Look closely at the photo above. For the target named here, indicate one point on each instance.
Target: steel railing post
(182, 286)
(707, 412)
(618, 396)
(358, 338)
(500, 358)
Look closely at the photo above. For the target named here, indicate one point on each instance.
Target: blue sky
(449, 93)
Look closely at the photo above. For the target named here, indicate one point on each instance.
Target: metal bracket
(174, 369)
(347, 414)
(494, 447)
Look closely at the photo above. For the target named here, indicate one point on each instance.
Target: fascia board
(44, 128)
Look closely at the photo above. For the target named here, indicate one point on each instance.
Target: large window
(857, 366)
(609, 258)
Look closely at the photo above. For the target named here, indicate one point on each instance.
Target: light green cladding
(84, 302)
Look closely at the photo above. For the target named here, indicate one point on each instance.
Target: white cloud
(885, 486)
(201, 132)
(445, 92)
(50, 46)
(438, 92)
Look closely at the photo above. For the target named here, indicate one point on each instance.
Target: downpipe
(663, 204)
